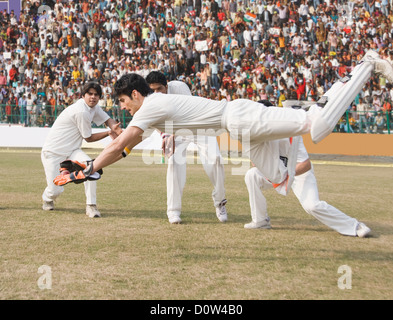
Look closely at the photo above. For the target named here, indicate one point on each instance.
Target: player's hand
(71, 165)
(77, 176)
(115, 131)
(168, 145)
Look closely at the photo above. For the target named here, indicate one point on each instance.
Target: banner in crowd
(9, 5)
(201, 45)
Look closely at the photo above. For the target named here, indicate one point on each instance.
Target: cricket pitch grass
(132, 252)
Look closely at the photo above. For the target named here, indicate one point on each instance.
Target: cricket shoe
(221, 211)
(265, 224)
(382, 67)
(92, 211)
(174, 218)
(362, 230)
(48, 205)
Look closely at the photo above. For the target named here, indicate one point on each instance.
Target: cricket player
(64, 142)
(209, 154)
(245, 120)
(305, 188)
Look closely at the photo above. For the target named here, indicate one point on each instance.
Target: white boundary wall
(17, 136)
(33, 137)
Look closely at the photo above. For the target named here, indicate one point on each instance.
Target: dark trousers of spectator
(196, 65)
(198, 10)
(209, 82)
(15, 115)
(370, 124)
(283, 21)
(2, 112)
(215, 83)
(190, 63)
(23, 116)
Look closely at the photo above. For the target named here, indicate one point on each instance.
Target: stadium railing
(44, 116)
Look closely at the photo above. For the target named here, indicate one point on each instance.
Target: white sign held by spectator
(201, 45)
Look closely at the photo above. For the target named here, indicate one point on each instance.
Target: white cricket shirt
(171, 112)
(178, 87)
(72, 126)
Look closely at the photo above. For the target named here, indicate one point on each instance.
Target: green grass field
(132, 252)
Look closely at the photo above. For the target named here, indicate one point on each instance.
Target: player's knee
(251, 176)
(312, 208)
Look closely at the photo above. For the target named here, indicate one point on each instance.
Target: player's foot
(370, 55)
(221, 211)
(362, 230)
(174, 219)
(48, 205)
(265, 224)
(92, 211)
(382, 67)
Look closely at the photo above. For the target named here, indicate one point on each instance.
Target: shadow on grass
(207, 218)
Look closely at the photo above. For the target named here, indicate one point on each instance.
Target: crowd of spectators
(223, 49)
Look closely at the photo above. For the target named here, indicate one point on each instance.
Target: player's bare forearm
(113, 152)
(97, 136)
(115, 128)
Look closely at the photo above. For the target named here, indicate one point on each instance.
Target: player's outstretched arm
(115, 150)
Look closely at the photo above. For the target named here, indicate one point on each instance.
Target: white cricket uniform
(254, 124)
(210, 157)
(64, 142)
(305, 189)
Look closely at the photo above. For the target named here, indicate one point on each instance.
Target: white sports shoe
(265, 224)
(362, 230)
(174, 219)
(382, 67)
(92, 211)
(221, 211)
(48, 205)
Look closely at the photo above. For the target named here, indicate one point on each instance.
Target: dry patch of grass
(132, 252)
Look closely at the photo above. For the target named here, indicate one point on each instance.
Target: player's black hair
(267, 103)
(92, 85)
(156, 77)
(130, 82)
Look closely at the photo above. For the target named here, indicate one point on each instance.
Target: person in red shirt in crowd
(8, 112)
(226, 80)
(387, 106)
(170, 26)
(249, 91)
(220, 15)
(138, 33)
(13, 73)
(342, 70)
(300, 83)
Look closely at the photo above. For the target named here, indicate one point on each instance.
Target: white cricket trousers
(211, 159)
(305, 189)
(51, 163)
(259, 129)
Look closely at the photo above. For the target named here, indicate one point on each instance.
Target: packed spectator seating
(253, 49)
